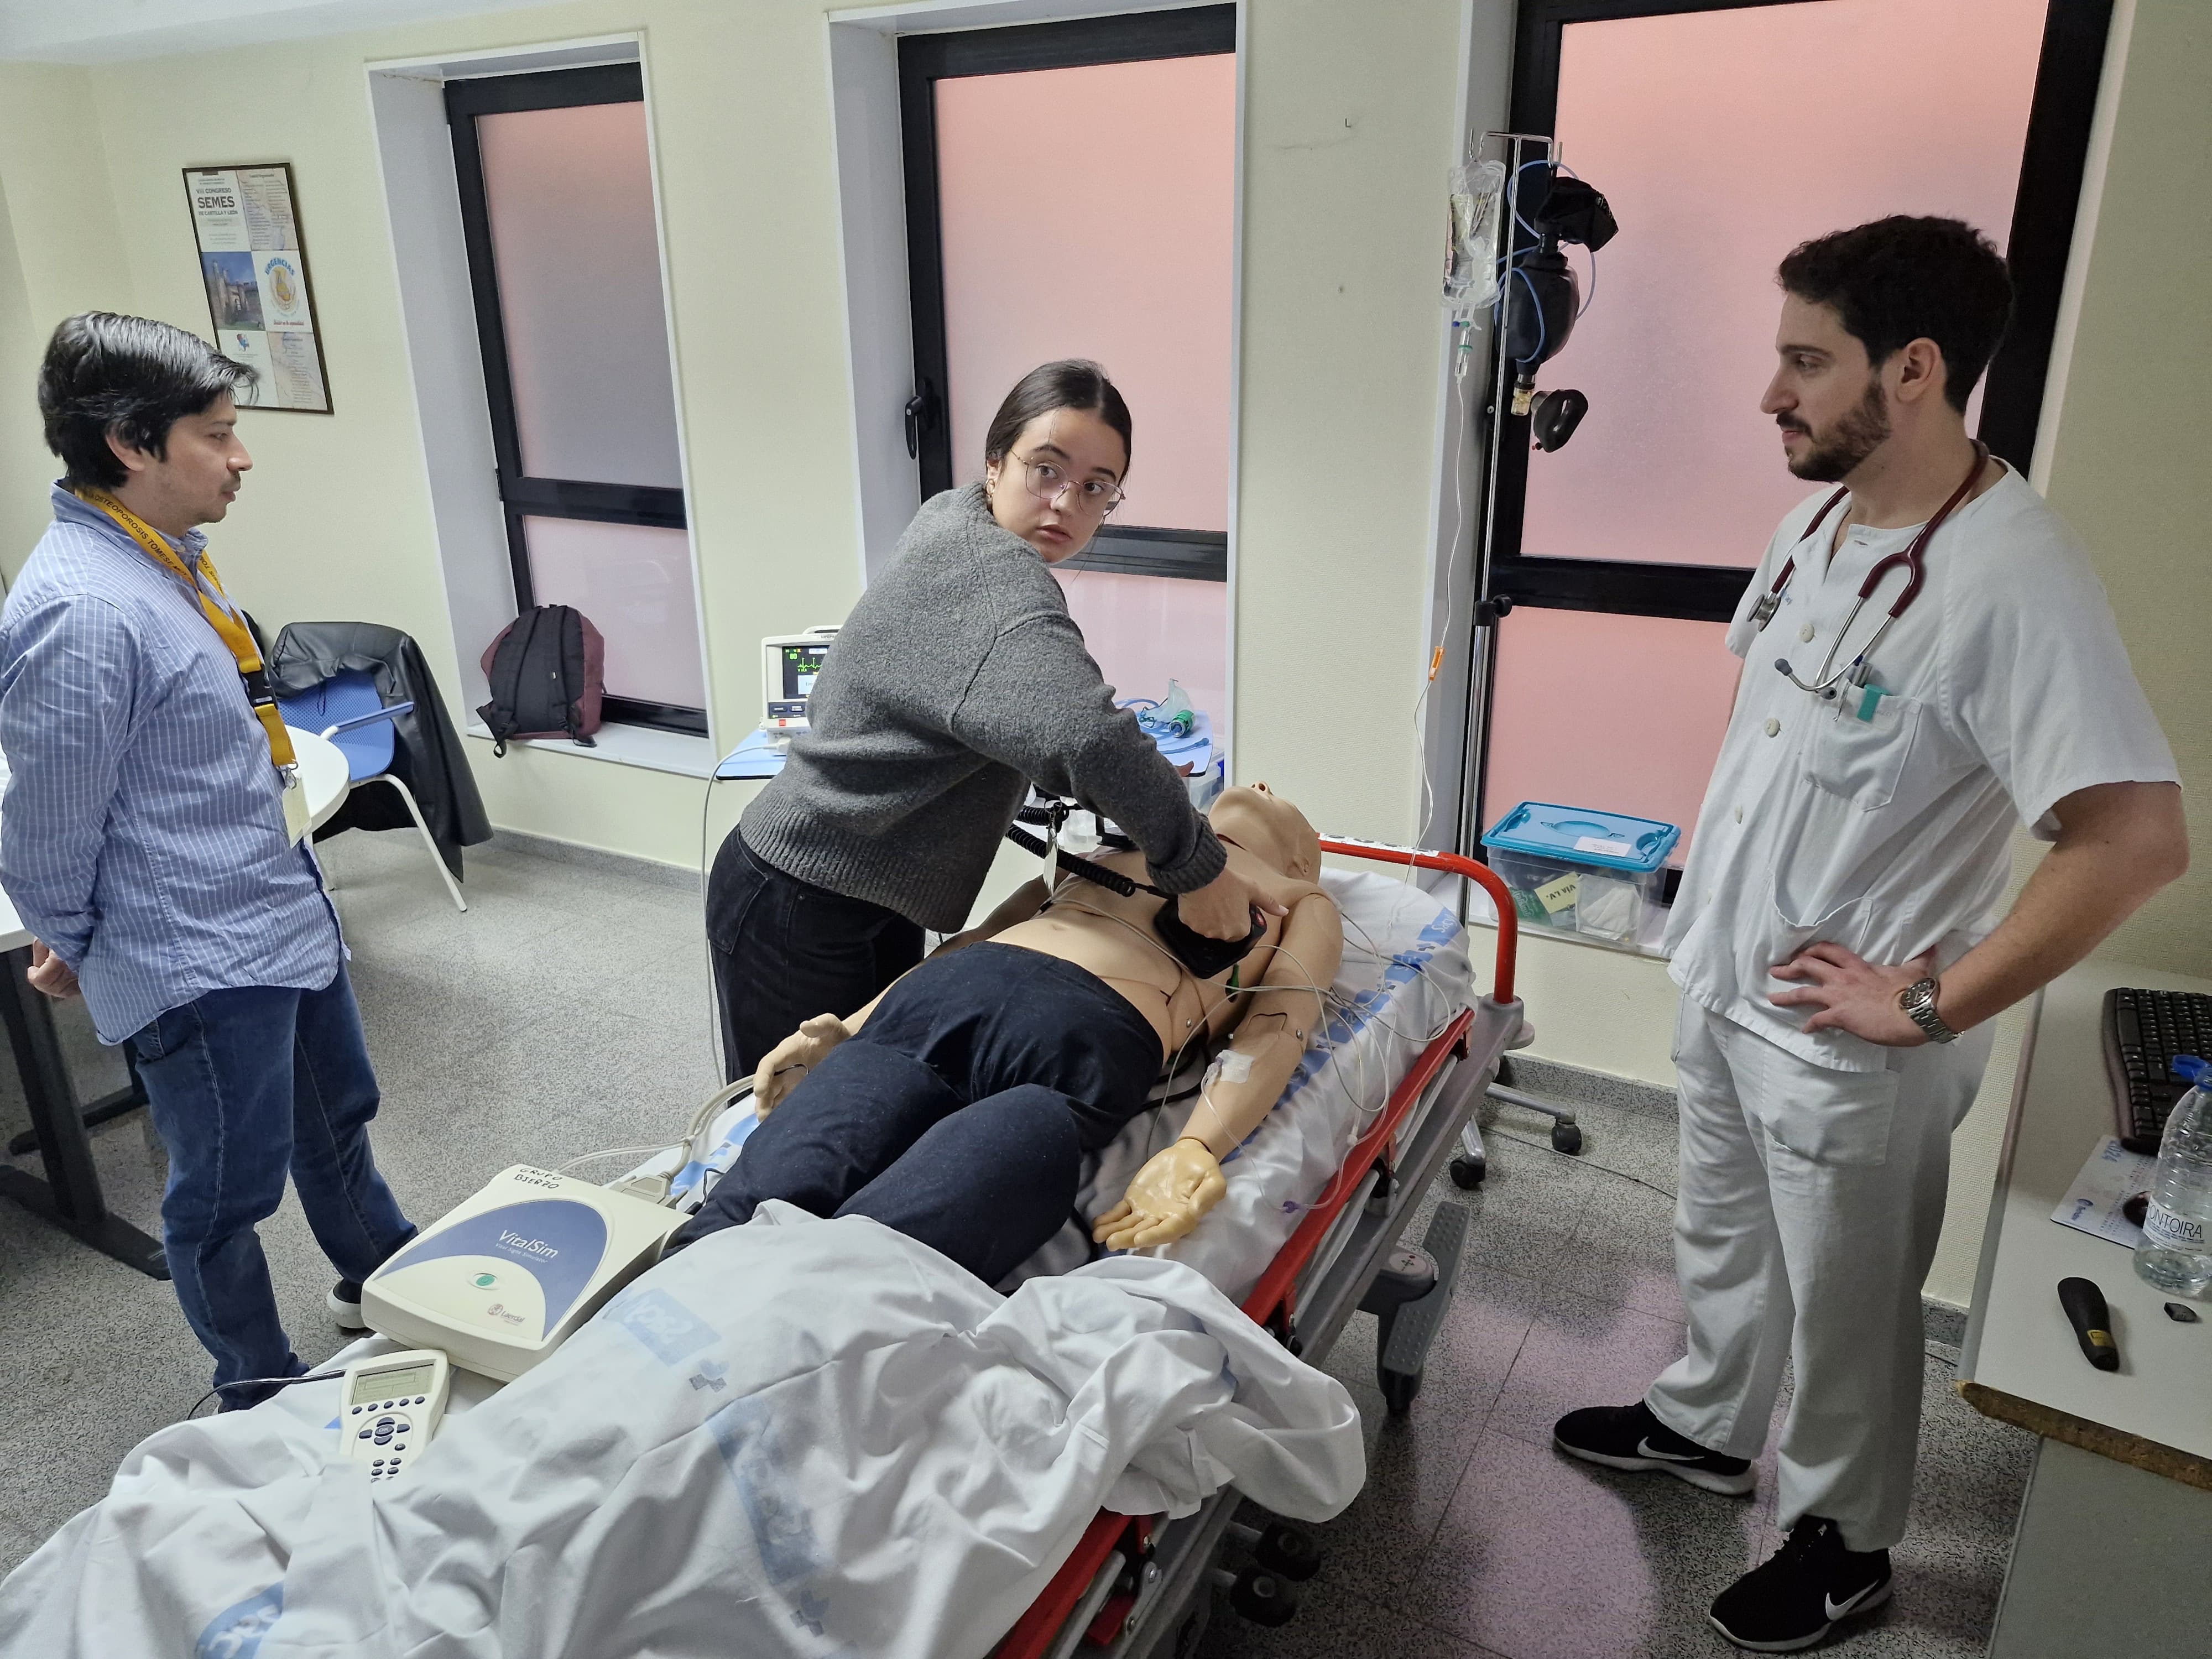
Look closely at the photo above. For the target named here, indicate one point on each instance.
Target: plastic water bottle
(2176, 1252)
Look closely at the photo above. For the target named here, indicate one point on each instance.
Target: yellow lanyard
(228, 627)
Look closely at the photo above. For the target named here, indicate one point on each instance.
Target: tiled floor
(1474, 1538)
(567, 1012)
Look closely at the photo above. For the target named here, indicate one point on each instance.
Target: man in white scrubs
(1837, 940)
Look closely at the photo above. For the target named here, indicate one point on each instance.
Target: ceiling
(105, 31)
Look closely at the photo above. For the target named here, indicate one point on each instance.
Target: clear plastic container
(1575, 870)
(2176, 1252)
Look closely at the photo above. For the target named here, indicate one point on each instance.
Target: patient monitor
(501, 1280)
(789, 663)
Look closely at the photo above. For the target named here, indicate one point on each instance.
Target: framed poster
(255, 273)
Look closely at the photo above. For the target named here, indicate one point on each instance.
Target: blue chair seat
(343, 698)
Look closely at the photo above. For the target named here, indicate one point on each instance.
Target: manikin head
(1884, 330)
(1055, 455)
(145, 411)
(1269, 828)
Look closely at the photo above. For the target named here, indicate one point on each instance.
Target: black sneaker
(344, 1304)
(1797, 1594)
(1631, 1437)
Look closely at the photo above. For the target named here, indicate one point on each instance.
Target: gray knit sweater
(958, 677)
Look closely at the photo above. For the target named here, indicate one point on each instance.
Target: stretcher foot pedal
(1410, 1326)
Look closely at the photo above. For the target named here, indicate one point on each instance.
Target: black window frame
(521, 494)
(2069, 68)
(925, 59)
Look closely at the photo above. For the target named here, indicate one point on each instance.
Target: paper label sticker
(1559, 896)
(1618, 849)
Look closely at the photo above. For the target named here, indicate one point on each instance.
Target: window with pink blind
(1721, 138)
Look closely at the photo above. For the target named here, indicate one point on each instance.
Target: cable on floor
(1581, 1162)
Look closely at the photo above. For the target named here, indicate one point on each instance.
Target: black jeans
(961, 1112)
(786, 950)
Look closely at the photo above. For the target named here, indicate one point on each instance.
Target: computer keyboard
(2143, 1032)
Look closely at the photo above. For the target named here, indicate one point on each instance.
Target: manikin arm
(1177, 1187)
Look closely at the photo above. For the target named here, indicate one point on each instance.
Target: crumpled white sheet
(797, 1438)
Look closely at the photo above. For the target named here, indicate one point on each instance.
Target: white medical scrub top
(1893, 837)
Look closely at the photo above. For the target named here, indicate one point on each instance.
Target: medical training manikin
(957, 1106)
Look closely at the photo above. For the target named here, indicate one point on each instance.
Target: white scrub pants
(1811, 1200)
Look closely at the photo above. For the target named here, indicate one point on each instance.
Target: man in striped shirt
(144, 840)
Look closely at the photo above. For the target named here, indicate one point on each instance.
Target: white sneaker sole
(1728, 1486)
(1796, 1642)
(345, 1315)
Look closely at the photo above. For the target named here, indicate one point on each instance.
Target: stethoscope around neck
(1855, 673)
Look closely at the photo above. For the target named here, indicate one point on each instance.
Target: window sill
(1648, 947)
(626, 745)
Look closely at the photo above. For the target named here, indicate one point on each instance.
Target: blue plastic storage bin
(1576, 871)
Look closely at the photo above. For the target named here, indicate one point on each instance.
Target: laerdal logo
(529, 1246)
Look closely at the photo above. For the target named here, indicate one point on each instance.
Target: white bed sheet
(1404, 974)
(723, 1461)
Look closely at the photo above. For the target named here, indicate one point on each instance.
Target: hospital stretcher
(1135, 1587)
(1139, 1586)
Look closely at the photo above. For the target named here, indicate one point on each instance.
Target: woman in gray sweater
(957, 680)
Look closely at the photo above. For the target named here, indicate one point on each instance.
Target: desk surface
(322, 774)
(2019, 1343)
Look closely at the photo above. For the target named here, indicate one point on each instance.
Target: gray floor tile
(1527, 1210)
(1415, 1462)
(1540, 1557)
(566, 1012)
(1344, 1625)
(1624, 1250)
(1581, 1353)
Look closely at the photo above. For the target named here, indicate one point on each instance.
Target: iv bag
(1471, 273)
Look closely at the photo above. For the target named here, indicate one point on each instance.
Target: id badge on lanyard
(296, 817)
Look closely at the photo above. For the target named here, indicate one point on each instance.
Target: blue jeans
(244, 1084)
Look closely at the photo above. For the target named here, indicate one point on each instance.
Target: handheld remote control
(389, 1407)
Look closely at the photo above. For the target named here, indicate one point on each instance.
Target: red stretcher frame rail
(1271, 1303)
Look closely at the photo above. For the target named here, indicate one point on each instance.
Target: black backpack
(547, 670)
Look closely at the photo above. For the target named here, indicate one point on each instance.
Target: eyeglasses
(1048, 479)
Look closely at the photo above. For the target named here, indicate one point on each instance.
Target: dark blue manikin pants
(960, 1113)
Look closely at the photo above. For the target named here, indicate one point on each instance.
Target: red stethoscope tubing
(1915, 567)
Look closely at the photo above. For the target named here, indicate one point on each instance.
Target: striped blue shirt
(143, 834)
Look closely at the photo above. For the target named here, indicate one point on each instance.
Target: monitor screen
(386, 1385)
(801, 663)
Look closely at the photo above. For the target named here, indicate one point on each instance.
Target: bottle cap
(2190, 1069)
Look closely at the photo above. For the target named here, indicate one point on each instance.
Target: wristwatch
(1918, 1001)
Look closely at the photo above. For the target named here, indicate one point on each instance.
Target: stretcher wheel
(1287, 1553)
(1399, 1389)
(1567, 1138)
(1467, 1171)
(1263, 1598)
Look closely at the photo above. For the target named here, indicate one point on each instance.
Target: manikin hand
(1223, 907)
(1853, 994)
(49, 974)
(1174, 1189)
(790, 1060)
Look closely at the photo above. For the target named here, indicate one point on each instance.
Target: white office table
(71, 1195)
(2114, 1549)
